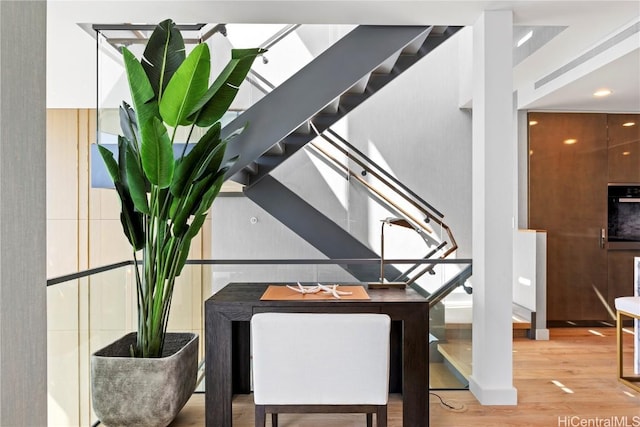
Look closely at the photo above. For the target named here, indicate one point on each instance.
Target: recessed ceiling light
(629, 124)
(626, 153)
(570, 141)
(602, 92)
(524, 38)
(535, 122)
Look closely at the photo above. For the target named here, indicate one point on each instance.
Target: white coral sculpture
(326, 289)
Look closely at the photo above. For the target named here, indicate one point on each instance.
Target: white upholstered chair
(627, 307)
(320, 362)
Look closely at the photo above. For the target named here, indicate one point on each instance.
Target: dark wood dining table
(227, 343)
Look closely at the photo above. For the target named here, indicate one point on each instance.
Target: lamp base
(386, 285)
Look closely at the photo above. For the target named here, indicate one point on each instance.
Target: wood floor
(582, 362)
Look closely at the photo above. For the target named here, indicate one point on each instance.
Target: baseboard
(493, 396)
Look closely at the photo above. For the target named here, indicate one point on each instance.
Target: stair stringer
(313, 88)
(315, 228)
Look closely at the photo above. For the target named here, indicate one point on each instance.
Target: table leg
(395, 357)
(415, 393)
(241, 357)
(218, 381)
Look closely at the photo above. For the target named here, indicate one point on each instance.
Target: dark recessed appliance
(623, 212)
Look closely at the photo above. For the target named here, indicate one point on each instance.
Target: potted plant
(164, 203)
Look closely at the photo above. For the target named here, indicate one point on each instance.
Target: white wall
(415, 125)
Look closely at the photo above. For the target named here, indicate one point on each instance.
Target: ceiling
(587, 25)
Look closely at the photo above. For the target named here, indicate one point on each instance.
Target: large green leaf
(136, 180)
(122, 161)
(163, 55)
(142, 95)
(184, 253)
(187, 205)
(207, 199)
(156, 152)
(198, 195)
(213, 167)
(194, 228)
(188, 168)
(132, 221)
(224, 89)
(128, 123)
(110, 163)
(198, 204)
(203, 161)
(132, 225)
(186, 87)
(165, 198)
(169, 89)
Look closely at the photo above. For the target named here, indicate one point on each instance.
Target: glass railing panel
(63, 354)
(261, 273)
(87, 313)
(112, 305)
(430, 277)
(83, 314)
(112, 313)
(345, 273)
(305, 273)
(450, 322)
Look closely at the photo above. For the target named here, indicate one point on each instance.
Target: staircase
(323, 92)
(308, 104)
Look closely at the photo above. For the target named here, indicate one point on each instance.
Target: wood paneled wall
(572, 158)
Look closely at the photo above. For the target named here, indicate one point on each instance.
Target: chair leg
(381, 416)
(274, 419)
(369, 419)
(261, 416)
(619, 343)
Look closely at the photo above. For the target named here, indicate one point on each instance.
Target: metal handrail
(86, 273)
(433, 298)
(427, 210)
(371, 188)
(284, 32)
(441, 293)
(298, 261)
(382, 171)
(258, 81)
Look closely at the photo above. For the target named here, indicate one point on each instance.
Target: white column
(23, 316)
(493, 210)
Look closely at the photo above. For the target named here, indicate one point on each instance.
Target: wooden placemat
(282, 293)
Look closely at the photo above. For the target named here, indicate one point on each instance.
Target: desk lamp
(382, 284)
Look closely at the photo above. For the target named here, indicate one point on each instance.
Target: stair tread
(521, 325)
(457, 350)
(458, 353)
(441, 377)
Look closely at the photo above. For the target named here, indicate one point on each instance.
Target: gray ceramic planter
(147, 392)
